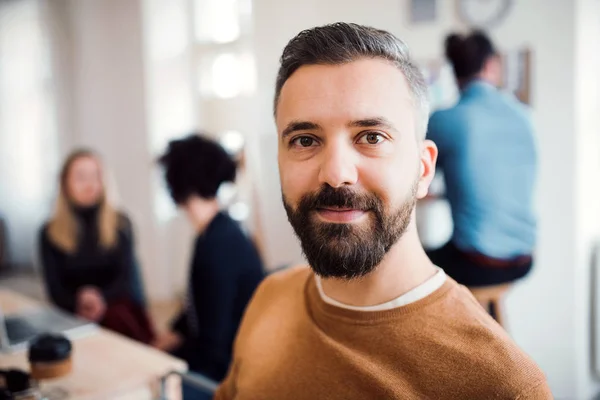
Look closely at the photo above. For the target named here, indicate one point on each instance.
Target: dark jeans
(463, 269)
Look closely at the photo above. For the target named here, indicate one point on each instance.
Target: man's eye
(303, 141)
(371, 138)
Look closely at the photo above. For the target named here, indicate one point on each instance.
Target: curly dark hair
(196, 165)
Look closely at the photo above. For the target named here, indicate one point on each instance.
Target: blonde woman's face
(84, 182)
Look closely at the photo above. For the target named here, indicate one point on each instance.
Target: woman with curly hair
(226, 267)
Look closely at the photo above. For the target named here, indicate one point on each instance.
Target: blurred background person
(225, 267)
(87, 253)
(488, 157)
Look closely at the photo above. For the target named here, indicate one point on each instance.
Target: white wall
(587, 127)
(104, 107)
(546, 312)
(171, 112)
(28, 136)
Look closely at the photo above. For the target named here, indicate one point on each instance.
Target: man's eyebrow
(371, 122)
(295, 126)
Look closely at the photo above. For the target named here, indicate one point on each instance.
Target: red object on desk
(129, 319)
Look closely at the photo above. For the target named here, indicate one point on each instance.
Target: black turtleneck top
(109, 270)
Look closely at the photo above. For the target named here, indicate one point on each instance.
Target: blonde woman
(87, 252)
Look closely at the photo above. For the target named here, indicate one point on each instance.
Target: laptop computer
(17, 330)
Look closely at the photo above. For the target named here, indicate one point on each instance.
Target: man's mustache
(329, 197)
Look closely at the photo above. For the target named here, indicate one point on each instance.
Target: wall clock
(483, 13)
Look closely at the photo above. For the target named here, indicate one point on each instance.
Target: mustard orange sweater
(293, 345)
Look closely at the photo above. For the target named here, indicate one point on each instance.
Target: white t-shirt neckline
(423, 290)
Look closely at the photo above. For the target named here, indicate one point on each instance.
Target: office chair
(193, 379)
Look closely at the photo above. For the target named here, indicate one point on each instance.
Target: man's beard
(348, 250)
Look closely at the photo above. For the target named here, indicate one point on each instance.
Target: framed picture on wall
(516, 78)
(516, 73)
(442, 88)
(422, 11)
(483, 13)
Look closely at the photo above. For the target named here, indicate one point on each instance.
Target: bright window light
(226, 193)
(228, 75)
(168, 27)
(239, 211)
(232, 141)
(218, 21)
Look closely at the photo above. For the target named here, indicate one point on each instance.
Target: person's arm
(215, 278)
(205, 295)
(215, 285)
(262, 297)
(51, 261)
(172, 339)
(179, 325)
(121, 284)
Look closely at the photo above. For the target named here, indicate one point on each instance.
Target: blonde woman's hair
(63, 229)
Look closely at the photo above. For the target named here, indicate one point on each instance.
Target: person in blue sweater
(225, 268)
(488, 156)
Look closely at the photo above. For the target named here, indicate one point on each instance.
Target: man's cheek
(294, 182)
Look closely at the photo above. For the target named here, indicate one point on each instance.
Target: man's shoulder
(517, 374)
(446, 122)
(486, 350)
(286, 286)
(278, 300)
(448, 114)
(283, 280)
(439, 117)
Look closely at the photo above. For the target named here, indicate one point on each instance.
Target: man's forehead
(347, 92)
(362, 72)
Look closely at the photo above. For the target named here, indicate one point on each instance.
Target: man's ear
(429, 153)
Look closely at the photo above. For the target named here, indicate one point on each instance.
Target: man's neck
(404, 267)
(479, 78)
(202, 220)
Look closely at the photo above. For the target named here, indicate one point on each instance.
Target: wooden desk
(105, 365)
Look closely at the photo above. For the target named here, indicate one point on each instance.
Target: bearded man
(371, 317)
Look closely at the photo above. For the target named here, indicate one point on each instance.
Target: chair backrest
(193, 379)
(135, 275)
(490, 298)
(4, 342)
(490, 293)
(137, 283)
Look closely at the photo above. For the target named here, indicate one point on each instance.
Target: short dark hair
(196, 165)
(468, 54)
(341, 43)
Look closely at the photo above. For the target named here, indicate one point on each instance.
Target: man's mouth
(340, 215)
